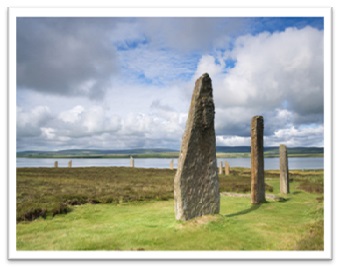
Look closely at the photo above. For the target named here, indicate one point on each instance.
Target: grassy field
(134, 211)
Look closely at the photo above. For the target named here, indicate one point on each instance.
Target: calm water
(269, 164)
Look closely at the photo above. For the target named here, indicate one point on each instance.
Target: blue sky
(117, 83)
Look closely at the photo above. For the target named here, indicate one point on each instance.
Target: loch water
(269, 163)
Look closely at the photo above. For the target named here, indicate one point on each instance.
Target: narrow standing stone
(284, 171)
(227, 168)
(257, 161)
(70, 164)
(220, 171)
(56, 164)
(172, 164)
(132, 162)
(196, 185)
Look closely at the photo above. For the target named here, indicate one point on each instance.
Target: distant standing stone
(196, 185)
(172, 164)
(284, 171)
(132, 162)
(257, 161)
(220, 169)
(227, 168)
(70, 164)
(56, 164)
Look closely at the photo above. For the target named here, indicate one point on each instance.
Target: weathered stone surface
(132, 162)
(70, 164)
(284, 171)
(226, 168)
(257, 161)
(56, 164)
(172, 164)
(220, 169)
(196, 185)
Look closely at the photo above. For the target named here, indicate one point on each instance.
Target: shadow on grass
(296, 192)
(252, 208)
(284, 199)
(280, 199)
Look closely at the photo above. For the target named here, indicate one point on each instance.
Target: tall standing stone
(132, 162)
(172, 164)
(284, 171)
(196, 185)
(70, 164)
(220, 170)
(56, 164)
(227, 168)
(257, 161)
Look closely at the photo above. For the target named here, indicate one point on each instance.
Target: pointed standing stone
(172, 164)
(196, 185)
(220, 171)
(132, 162)
(257, 161)
(56, 164)
(227, 168)
(70, 164)
(284, 172)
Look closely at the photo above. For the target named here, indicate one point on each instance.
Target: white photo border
(325, 12)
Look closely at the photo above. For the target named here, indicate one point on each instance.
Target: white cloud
(72, 115)
(81, 121)
(293, 132)
(279, 76)
(208, 62)
(30, 121)
(292, 136)
(232, 141)
(274, 70)
(47, 133)
(148, 78)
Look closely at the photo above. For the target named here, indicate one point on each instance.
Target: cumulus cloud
(29, 122)
(81, 121)
(292, 136)
(73, 115)
(47, 133)
(278, 75)
(274, 70)
(97, 127)
(127, 82)
(232, 140)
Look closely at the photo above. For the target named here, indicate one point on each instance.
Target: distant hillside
(232, 149)
(96, 153)
(246, 149)
(236, 151)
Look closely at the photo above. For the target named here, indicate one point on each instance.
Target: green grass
(294, 224)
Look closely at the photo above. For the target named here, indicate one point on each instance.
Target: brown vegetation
(313, 240)
(309, 181)
(54, 190)
(238, 181)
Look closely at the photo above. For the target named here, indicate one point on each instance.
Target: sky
(124, 83)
